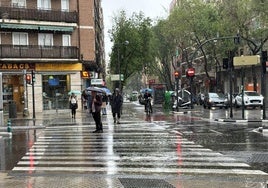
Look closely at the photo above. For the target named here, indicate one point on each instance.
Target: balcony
(38, 52)
(38, 15)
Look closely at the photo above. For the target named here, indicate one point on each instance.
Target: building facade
(47, 49)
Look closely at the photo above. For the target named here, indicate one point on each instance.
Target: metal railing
(38, 15)
(35, 51)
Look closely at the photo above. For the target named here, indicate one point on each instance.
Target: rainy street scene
(133, 94)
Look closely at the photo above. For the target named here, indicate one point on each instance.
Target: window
(20, 39)
(45, 39)
(19, 3)
(65, 5)
(66, 40)
(44, 4)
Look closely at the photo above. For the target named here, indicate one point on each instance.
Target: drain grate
(144, 183)
(258, 158)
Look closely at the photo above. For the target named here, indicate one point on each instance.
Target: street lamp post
(119, 62)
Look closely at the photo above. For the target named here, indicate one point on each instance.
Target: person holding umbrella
(96, 103)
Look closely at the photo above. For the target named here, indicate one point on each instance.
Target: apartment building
(56, 43)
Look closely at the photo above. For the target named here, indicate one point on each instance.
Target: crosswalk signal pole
(177, 75)
(264, 61)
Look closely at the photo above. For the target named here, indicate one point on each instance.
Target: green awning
(56, 28)
(18, 26)
(37, 27)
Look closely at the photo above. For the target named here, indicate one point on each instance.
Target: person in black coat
(116, 103)
(96, 103)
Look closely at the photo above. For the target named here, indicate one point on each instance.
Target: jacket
(116, 103)
(98, 103)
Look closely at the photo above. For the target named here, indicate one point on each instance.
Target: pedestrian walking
(116, 103)
(73, 104)
(84, 98)
(96, 103)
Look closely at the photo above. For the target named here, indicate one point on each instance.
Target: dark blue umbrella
(146, 89)
(106, 90)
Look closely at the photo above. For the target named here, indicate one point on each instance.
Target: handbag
(73, 105)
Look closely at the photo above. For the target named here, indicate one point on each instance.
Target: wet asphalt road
(239, 141)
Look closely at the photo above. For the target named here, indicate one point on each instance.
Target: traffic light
(264, 56)
(33, 77)
(28, 79)
(176, 74)
(264, 60)
(237, 39)
(225, 63)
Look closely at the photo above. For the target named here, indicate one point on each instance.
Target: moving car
(251, 99)
(215, 100)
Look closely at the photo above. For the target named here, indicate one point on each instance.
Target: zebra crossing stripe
(138, 170)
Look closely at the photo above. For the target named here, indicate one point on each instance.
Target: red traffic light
(176, 74)
(28, 79)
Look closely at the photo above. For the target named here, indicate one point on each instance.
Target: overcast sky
(151, 8)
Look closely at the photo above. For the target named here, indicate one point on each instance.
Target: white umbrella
(96, 89)
(76, 92)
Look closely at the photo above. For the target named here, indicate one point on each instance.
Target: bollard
(9, 126)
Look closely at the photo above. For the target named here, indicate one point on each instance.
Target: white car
(251, 99)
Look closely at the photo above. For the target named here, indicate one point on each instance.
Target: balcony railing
(35, 51)
(38, 15)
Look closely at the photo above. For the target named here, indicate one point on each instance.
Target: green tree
(135, 56)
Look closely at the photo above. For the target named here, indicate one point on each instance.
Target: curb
(241, 120)
(182, 112)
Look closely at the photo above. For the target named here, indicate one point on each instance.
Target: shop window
(55, 91)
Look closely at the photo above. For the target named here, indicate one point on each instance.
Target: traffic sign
(247, 60)
(116, 77)
(190, 72)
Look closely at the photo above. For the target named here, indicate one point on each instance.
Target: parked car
(215, 100)
(251, 99)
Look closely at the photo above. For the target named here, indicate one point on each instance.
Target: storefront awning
(18, 26)
(37, 27)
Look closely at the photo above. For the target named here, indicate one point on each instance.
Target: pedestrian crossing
(131, 148)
